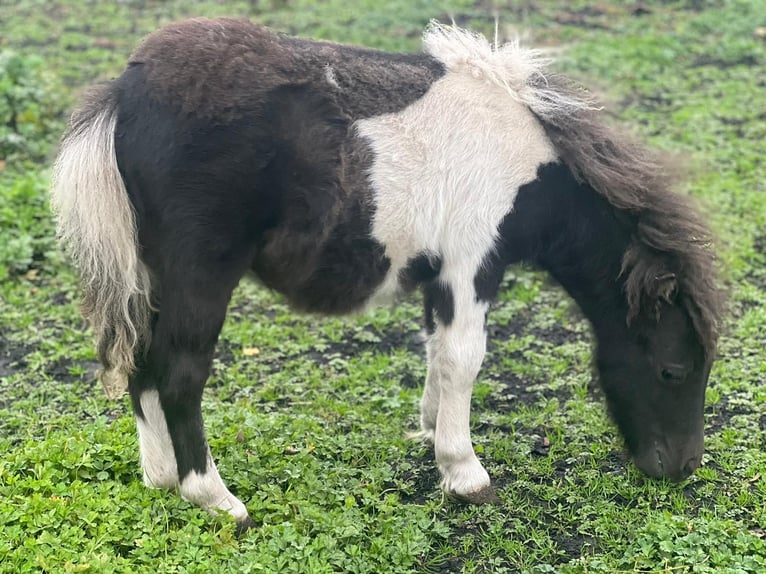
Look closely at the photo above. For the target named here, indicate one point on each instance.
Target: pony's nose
(661, 462)
(681, 472)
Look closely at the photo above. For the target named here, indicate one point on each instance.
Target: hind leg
(167, 388)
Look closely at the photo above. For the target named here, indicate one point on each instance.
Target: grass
(307, 417)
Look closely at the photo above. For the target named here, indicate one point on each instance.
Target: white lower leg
(456, 353)
(207, 490)
(462, 473)
(158, 459)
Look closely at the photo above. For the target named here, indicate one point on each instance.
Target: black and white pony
(340, 176)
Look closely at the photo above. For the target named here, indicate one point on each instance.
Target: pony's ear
(648, 283)
(665, 288)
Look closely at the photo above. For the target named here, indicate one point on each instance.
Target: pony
(340, 177)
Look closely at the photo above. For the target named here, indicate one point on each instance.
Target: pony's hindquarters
(97, 227)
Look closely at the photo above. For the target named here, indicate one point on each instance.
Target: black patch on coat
(557, 223)
(322, 255)
(572, 232)
(422, 268)
(488, 277)
(568, 229)
(439, 304)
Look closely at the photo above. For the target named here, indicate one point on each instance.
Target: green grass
(309, 430)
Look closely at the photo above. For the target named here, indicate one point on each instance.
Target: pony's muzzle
(676, 464)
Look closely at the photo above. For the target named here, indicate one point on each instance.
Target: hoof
(244, 525)
(484, 496)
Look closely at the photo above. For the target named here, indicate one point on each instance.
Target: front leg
(456, 350)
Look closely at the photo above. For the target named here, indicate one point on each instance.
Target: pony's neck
(572, 232)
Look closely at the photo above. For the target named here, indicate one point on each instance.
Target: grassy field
(307, 417)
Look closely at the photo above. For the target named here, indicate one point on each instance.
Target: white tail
(97, 227)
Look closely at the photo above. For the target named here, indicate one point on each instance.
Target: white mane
(521, 72)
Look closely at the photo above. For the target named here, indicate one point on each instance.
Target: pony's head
(656, 349)
(654, 370)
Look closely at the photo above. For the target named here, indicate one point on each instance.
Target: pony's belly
(336, 277)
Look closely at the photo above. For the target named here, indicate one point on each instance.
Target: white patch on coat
(207, 490)
(446, 172)
(447, 169)
(158, 459)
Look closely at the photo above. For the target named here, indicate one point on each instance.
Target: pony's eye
(674, 373)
